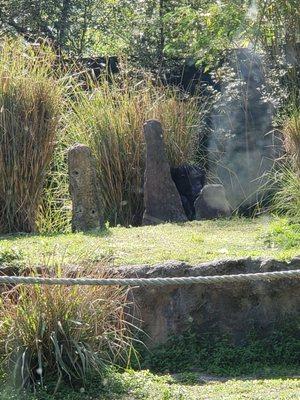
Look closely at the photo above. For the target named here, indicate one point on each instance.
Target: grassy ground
(148, 386)
(145, 386)
(193, 242)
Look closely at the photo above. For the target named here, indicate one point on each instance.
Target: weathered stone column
(161, 198)
(84, 190)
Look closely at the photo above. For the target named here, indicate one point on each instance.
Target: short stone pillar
(212, 203)
(161, 198)
(84, 189)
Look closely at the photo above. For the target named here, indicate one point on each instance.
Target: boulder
(84, 189)
(212, 203)
(161, 198)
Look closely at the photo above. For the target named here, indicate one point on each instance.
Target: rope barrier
(262, 276)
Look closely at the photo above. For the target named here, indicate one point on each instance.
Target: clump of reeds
(30, 103)
(291, 135)
(54, 213)
(286, 200)
(63, 334)
(287, 177)
(110, 119)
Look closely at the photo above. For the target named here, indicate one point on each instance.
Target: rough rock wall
(233, 309)
(243, 145)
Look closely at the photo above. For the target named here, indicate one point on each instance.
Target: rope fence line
(144, 282)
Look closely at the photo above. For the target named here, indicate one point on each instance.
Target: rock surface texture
(212, 203)
(84, 190)
(233, 309)
(243, 145)
(161, 198)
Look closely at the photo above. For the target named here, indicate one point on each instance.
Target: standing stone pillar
(84, 190)
(161, 198)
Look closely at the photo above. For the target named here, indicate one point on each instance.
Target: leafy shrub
(61, 333)
(10, 256)
(30, 103)
(110, 119)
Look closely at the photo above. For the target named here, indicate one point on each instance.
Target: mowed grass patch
(192, 242)
(144, 385)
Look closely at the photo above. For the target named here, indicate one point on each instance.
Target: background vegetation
(110, 121)
(108, 115)
(154, 30)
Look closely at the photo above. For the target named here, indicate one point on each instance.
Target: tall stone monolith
(161, 198)
(84, 189)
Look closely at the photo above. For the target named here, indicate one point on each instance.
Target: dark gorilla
(189, 180)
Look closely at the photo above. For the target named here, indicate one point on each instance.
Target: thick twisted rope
(179, 281)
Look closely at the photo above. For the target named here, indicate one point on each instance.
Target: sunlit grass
(144, 385)
(192, 242)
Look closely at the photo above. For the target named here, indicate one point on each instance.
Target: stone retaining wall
(230, 308)
(233, 309)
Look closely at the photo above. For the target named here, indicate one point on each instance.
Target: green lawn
(151, 387)
(193, 242)
(145, 386)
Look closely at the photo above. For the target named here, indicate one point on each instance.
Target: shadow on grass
(103, 232)
(201, 378)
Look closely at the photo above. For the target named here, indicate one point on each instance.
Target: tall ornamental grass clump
(291, 134)
(55, 208)
(53, 335)
(286, 200)
(110, 120)
(30, 104)
(287, 179)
